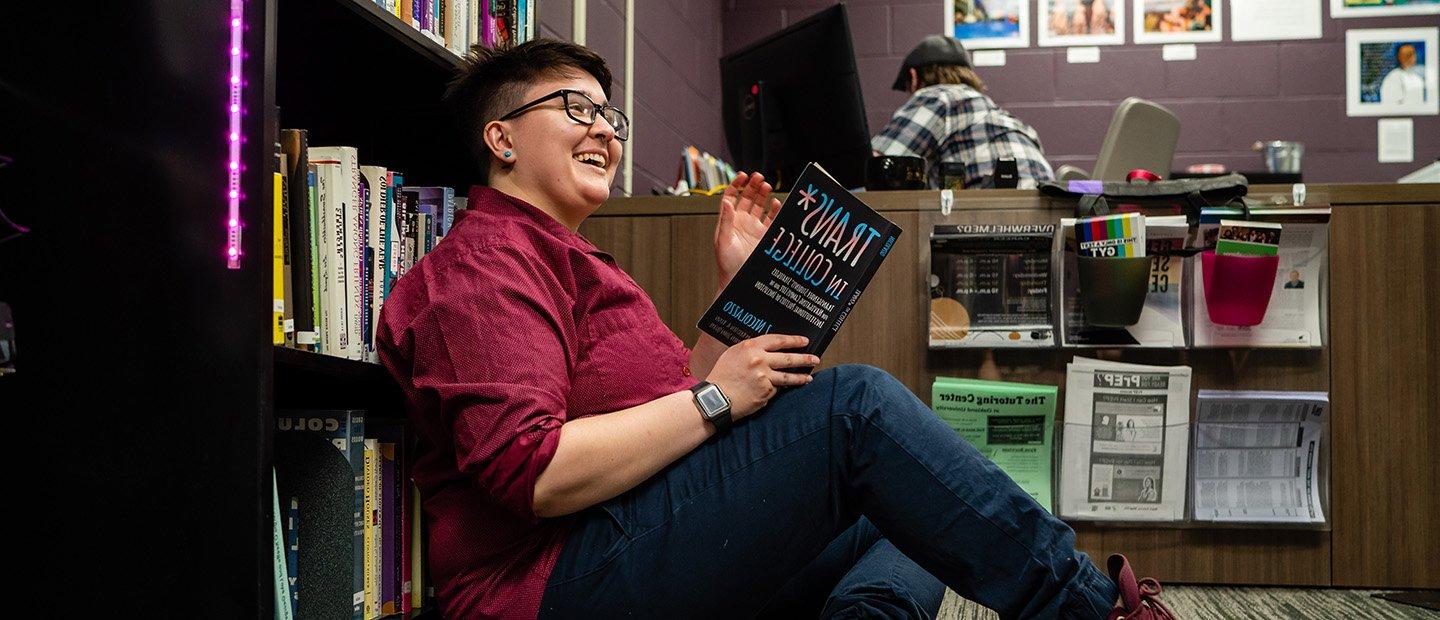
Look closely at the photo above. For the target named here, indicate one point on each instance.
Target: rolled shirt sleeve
(494, 356)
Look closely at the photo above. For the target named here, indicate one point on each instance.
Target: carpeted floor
(1217, 603)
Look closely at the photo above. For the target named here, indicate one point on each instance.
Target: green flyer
(1010, 423)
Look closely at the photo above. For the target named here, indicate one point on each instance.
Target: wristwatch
(713, 404)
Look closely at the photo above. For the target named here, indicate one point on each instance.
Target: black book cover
(808, 271)
(295, 144)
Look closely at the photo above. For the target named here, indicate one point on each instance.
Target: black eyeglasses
(582, 109)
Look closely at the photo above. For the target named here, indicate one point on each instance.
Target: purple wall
(1230, 96)
(677, 51)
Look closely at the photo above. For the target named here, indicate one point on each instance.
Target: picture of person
(1393, 73)
(1128, 434)
(1147, 490)
(1269, 236)
(1178, 15)
(1406, 82)
(1079, 17)
(1294, 281)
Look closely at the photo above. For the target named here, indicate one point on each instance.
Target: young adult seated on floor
(566, 468)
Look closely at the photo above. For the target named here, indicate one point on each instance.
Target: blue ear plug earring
(508, 154)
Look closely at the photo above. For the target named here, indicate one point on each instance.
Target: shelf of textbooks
(358, 169)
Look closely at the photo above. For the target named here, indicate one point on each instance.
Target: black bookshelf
(307, 380)
(354, 75)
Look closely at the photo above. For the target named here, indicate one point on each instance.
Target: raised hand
(746, 210)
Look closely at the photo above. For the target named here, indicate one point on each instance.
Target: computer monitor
(794, 97)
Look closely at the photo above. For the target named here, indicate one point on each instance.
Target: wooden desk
(1381, 365)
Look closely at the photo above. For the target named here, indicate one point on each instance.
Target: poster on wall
(1379, 8)
(1177, 21)
(1082, 22)
(1391, 72)
(988, 24)
(1273, 20)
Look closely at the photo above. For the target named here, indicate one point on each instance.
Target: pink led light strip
(237, 53)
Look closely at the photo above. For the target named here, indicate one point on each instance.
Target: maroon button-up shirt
(509, 328)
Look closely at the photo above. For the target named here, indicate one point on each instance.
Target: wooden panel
(887, 327)
(1232, 556)
(1385, 329)
(641, 246)
(692, 276)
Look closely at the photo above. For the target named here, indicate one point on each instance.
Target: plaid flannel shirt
(956, 123)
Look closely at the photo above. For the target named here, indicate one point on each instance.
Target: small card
(1121, 235)
(1248, 238)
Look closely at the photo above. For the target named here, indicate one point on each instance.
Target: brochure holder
(1113, 289)
(1238, 288)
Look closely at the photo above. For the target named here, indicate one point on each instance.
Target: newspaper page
(1257, 456)
(1126, 441)
(1161, 323)
(1295, 316)
(1010, 423)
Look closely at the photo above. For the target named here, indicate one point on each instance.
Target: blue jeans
(783, 516)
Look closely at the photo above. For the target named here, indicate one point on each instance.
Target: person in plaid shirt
(950, 119)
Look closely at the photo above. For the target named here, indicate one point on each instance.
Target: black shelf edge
(403, 32)
(287, 358)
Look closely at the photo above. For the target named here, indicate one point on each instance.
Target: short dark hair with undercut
(492, 81)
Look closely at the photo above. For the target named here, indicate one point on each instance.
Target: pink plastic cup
(1238, 288)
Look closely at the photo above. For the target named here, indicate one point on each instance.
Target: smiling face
(562, 166)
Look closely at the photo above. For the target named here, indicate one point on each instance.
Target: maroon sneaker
(1138, 600)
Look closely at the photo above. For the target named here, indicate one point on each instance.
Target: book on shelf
(807, 272)
(277, 259)
(372, 529)
(319, 471)
(393, 475)
(284, 604)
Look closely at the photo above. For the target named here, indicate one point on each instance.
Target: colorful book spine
(357, 457)
(277, 262)
(294, 145)
(393, 244)
(372, 542)
(388, 541)
(329, 177)
(292, 548)
(351, 250)
(377, 218)
(283, 609)
(317, 333)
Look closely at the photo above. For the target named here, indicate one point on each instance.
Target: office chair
(1142, 134)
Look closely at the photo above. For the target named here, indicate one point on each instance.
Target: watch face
(711, 400)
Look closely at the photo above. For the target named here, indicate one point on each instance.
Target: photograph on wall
(1379, 8)
(1177, 21)
(1082, 22)
(988, 24)
(1391, 72)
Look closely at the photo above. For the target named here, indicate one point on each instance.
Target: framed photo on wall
(988, 24)
(1177, 21)
(1392, 72)
(1082, 22)
(1383, 8)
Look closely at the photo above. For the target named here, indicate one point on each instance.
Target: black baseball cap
(936, 49)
